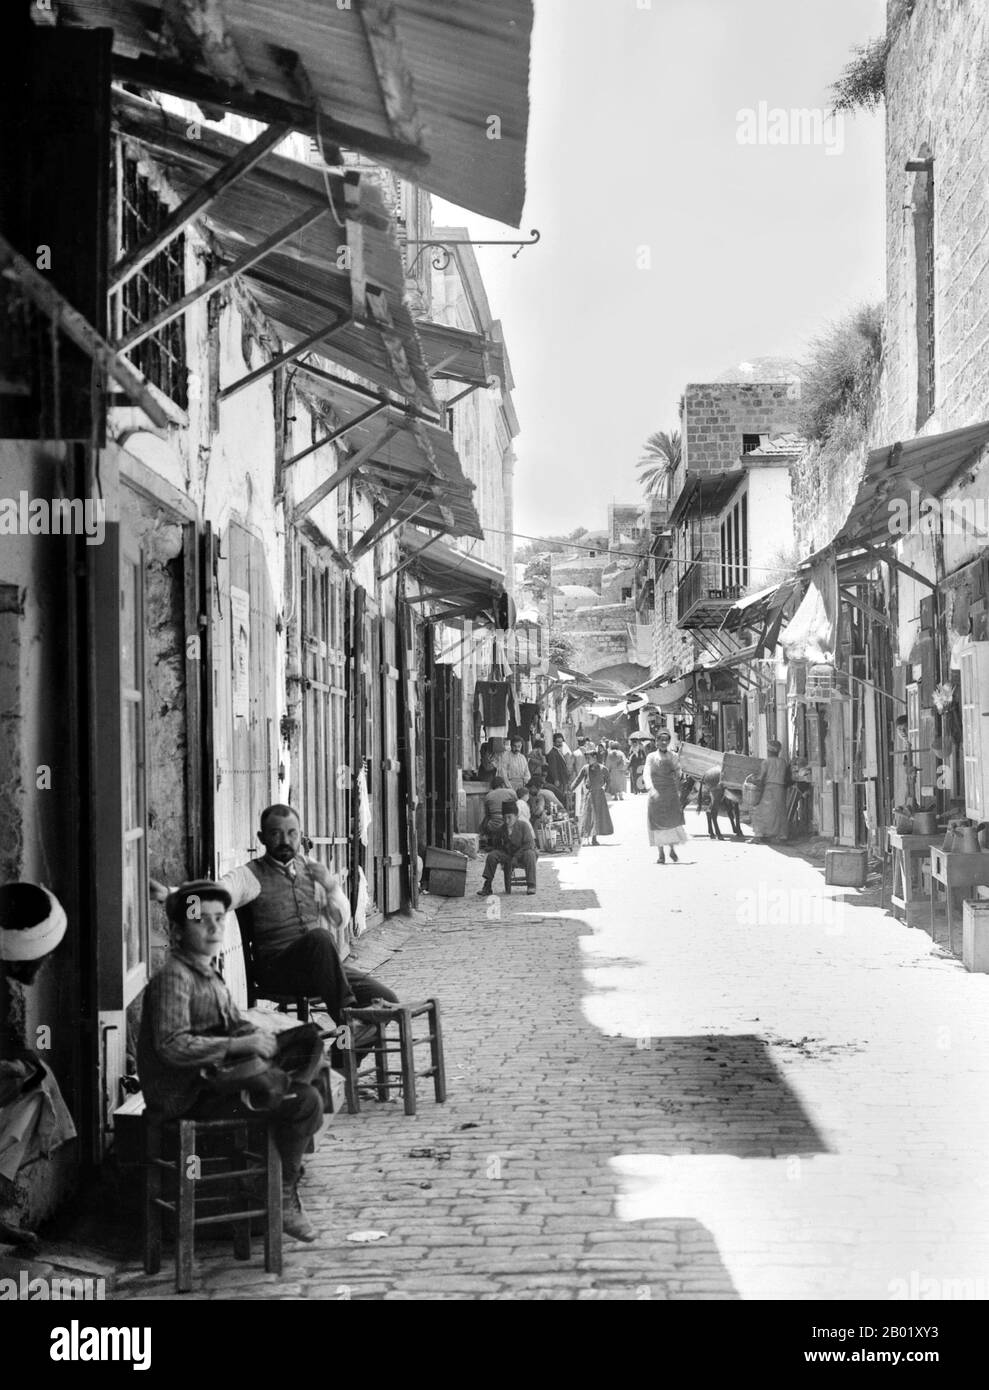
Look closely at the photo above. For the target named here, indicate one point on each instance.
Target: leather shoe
(295, 1222)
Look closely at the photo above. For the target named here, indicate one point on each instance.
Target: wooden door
(391, 817)
(409, 715)
(244, 661)
(325, 778)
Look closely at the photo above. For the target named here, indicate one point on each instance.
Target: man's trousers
(312, 966)
(298, 1116)
(526, 858)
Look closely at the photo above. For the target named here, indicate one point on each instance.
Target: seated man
(187, 1020)
(553, 803)
(279, 898)
(515, 845)
(494, 808)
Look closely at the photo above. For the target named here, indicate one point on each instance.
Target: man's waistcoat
(284, 910)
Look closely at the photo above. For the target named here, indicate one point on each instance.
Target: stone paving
(714, 1080)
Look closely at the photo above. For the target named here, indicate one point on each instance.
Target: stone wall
(824, 484)
(937, 105)
(581, 569)
(672, 649)
(600, 634)
(717, 414)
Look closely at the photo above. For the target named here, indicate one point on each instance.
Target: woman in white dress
(665, 814)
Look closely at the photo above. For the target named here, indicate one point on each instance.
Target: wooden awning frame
(80, 331)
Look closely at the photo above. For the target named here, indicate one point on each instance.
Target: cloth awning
(300, 285)
(438, 92)
(928, 464)
(811, 633)
(416, 451)
(456, 354)
(664, 696)
(471, 586)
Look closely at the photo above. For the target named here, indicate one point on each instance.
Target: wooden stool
(402, 1015)
(186, 1171)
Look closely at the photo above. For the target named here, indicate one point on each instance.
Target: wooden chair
(179, 1152)
(301, 1004)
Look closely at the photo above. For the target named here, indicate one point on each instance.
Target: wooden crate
(736, 767)
(695, 761)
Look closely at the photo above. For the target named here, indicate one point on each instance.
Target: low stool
(516, 878)
(179, 1151)
(403, 1016)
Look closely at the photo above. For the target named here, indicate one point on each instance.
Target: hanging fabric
(360, 911)
(493, 698)
(363, 805)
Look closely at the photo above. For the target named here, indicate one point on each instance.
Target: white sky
(633, 142)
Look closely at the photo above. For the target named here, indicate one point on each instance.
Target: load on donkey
(719, 778)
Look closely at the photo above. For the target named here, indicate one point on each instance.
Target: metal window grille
(162, 356)
(750, 442)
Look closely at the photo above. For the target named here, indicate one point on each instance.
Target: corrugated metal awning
(412, 84)
(931, 462)
(301, 285)
(455, 354)
(409, 450)
(473, 586)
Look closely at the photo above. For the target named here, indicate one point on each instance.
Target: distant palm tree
(659, 463)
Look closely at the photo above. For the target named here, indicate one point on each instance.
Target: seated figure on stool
(515, 846)
(281, 895)
(188, 1022)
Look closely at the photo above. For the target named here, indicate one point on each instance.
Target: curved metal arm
(444, 254)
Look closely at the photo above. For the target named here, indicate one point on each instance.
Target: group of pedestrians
(536, 786)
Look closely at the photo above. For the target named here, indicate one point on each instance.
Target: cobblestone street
(715, 1080)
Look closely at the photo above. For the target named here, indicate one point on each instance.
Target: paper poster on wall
(240, 630)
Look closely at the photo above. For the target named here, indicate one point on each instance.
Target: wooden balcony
(702, 598)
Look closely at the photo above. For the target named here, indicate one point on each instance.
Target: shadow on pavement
(508, 1190)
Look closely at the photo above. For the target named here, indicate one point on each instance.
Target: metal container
(969, 840)
(925, 823)
(846, 868)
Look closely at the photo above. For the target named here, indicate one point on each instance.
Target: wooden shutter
(391, 767)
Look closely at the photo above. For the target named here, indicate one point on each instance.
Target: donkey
(712, 799)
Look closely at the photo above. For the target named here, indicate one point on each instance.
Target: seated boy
(187, 1024)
